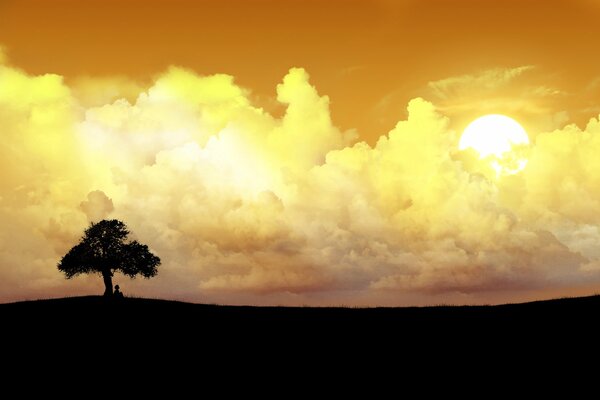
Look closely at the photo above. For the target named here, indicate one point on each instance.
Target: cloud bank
(243, 206)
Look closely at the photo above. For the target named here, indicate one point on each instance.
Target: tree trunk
(107, 276)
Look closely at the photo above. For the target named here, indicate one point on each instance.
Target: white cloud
(240, 204)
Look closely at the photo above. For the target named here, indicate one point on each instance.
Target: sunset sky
(303, 152)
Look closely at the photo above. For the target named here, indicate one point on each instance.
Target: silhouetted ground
(138, 313)
(181, 339)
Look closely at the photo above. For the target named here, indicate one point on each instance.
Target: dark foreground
(170, 335)
(133, 314)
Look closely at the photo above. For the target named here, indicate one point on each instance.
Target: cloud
(243, 206)
(97, 206)
(522, 92)
(488, 80)
(97, 91)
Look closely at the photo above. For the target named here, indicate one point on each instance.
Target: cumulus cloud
(243, 206)
(97, 206)
(97, 91)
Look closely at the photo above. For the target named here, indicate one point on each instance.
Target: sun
(499, 139)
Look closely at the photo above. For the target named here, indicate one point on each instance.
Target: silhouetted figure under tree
(103, 249)
(118, 294)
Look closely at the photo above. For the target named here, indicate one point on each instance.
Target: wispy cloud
(488, 80)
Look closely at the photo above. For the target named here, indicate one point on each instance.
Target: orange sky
(303, 152)
(370, 57)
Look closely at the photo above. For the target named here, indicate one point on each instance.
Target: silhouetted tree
(104, 249)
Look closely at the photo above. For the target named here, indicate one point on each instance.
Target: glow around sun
(498, 139)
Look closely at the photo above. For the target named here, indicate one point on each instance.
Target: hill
(131, 312)
(145, 330)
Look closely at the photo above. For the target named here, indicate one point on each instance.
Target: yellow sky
(302, 152)
(369, 57)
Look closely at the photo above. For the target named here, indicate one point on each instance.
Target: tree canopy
(104, 249)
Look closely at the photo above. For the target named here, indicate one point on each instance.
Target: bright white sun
(497, 136)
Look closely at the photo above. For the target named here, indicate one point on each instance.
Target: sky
(302, 152)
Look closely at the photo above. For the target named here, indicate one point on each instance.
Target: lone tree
(104, 249)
